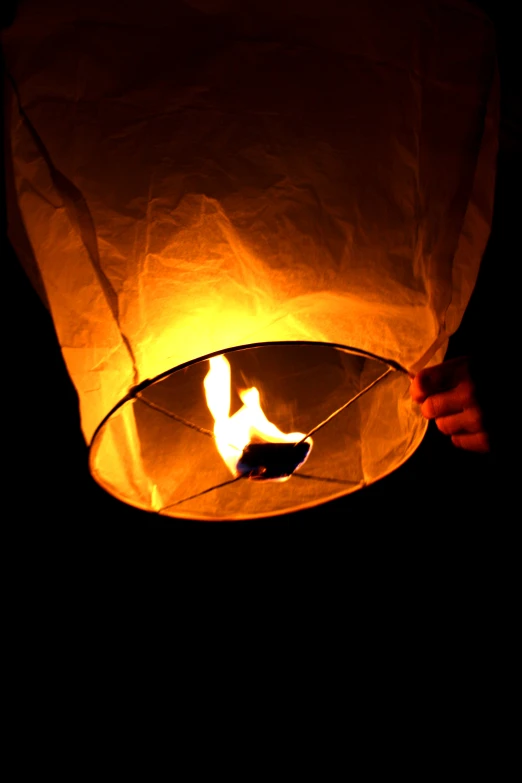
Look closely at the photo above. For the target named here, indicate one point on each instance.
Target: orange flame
(248, 424)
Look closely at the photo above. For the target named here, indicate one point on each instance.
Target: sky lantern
(251, 223)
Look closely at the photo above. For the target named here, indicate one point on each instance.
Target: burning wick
(249, 444)
(276, 461)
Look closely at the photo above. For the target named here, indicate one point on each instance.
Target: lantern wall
(210, 175)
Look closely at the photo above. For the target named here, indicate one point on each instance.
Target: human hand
(447, 393)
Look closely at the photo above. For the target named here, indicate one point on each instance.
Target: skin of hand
(447, 393)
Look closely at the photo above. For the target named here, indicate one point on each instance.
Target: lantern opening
(183, 443)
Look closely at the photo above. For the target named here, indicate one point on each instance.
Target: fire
(248, 425)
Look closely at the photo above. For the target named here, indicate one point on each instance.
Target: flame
(248, 424)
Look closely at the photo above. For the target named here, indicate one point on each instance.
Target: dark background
(442, 502)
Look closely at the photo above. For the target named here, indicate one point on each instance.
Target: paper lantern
(218, 198)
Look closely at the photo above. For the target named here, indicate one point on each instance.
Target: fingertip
(478, 442)
(418, 394)
(427, 409)
(442, 425)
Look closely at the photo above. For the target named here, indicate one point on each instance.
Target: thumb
(438, 378)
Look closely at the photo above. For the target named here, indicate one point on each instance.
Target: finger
(478, 442)
(453, 401)
(439, 378)
(417, 390)
(467, 422)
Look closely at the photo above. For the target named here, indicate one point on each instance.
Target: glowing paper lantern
(301, 190)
